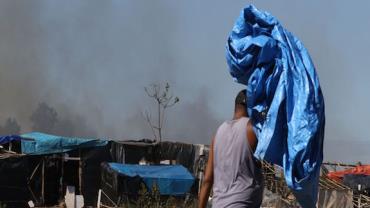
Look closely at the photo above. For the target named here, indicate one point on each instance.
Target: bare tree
(164, 99)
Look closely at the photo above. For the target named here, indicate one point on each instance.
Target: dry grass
(153, 199)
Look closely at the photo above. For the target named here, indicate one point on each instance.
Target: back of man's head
(241, 102)
(241, 98)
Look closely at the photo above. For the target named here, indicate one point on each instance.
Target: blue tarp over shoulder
(9, 138)
(171, 179)
(41, 143)
(284, 98)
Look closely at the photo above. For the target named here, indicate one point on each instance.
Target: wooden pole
(338, 164)
(99, 199)
(359, 201)
(80, 173)
(43, 182)
(62, 175)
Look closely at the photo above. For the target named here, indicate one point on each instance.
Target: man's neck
(238, 115)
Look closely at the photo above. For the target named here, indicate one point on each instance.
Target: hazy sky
(92, 60)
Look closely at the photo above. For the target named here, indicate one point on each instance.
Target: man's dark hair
(241, 102)
(241, 98)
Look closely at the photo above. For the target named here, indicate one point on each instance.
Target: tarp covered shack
(171, 179)
(125, 181)
(48, 165)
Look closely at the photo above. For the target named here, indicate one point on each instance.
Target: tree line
(46, 119)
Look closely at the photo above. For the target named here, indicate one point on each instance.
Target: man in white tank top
(232, 170)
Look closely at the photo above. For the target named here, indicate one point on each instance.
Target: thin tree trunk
(159, 122)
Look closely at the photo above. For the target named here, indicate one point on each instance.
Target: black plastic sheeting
(131, 152)
(183, 154)
(17, 187)
(91, 172)
(117, 188)
(353, 180)
(13, 182)
(91, 158)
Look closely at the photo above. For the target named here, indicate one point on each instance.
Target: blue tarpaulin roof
(170, 179)
(48, 144)
(284, 98)
(9, 138)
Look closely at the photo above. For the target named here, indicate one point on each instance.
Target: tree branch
(147, 117)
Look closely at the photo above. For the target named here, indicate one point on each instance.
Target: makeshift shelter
(114, 185)
(355, 177)
(357, 170)
(171, 180)
(331, 194)
(132, 152)
(124, 181)
(49, 163)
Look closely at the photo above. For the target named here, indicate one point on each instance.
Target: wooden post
(359, 201)
(99, 199)
(43, 182)
(80, 173)
(359, 198)
(62, 174)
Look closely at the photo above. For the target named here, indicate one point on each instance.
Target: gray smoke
(10, 127)
(79, 69)
(89, 61)
(46, 119)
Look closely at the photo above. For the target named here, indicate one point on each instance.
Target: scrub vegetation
(153, 199)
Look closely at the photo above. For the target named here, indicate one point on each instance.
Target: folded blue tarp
(9, 138)
(284, 98)
(48, 144)
(170, 179)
